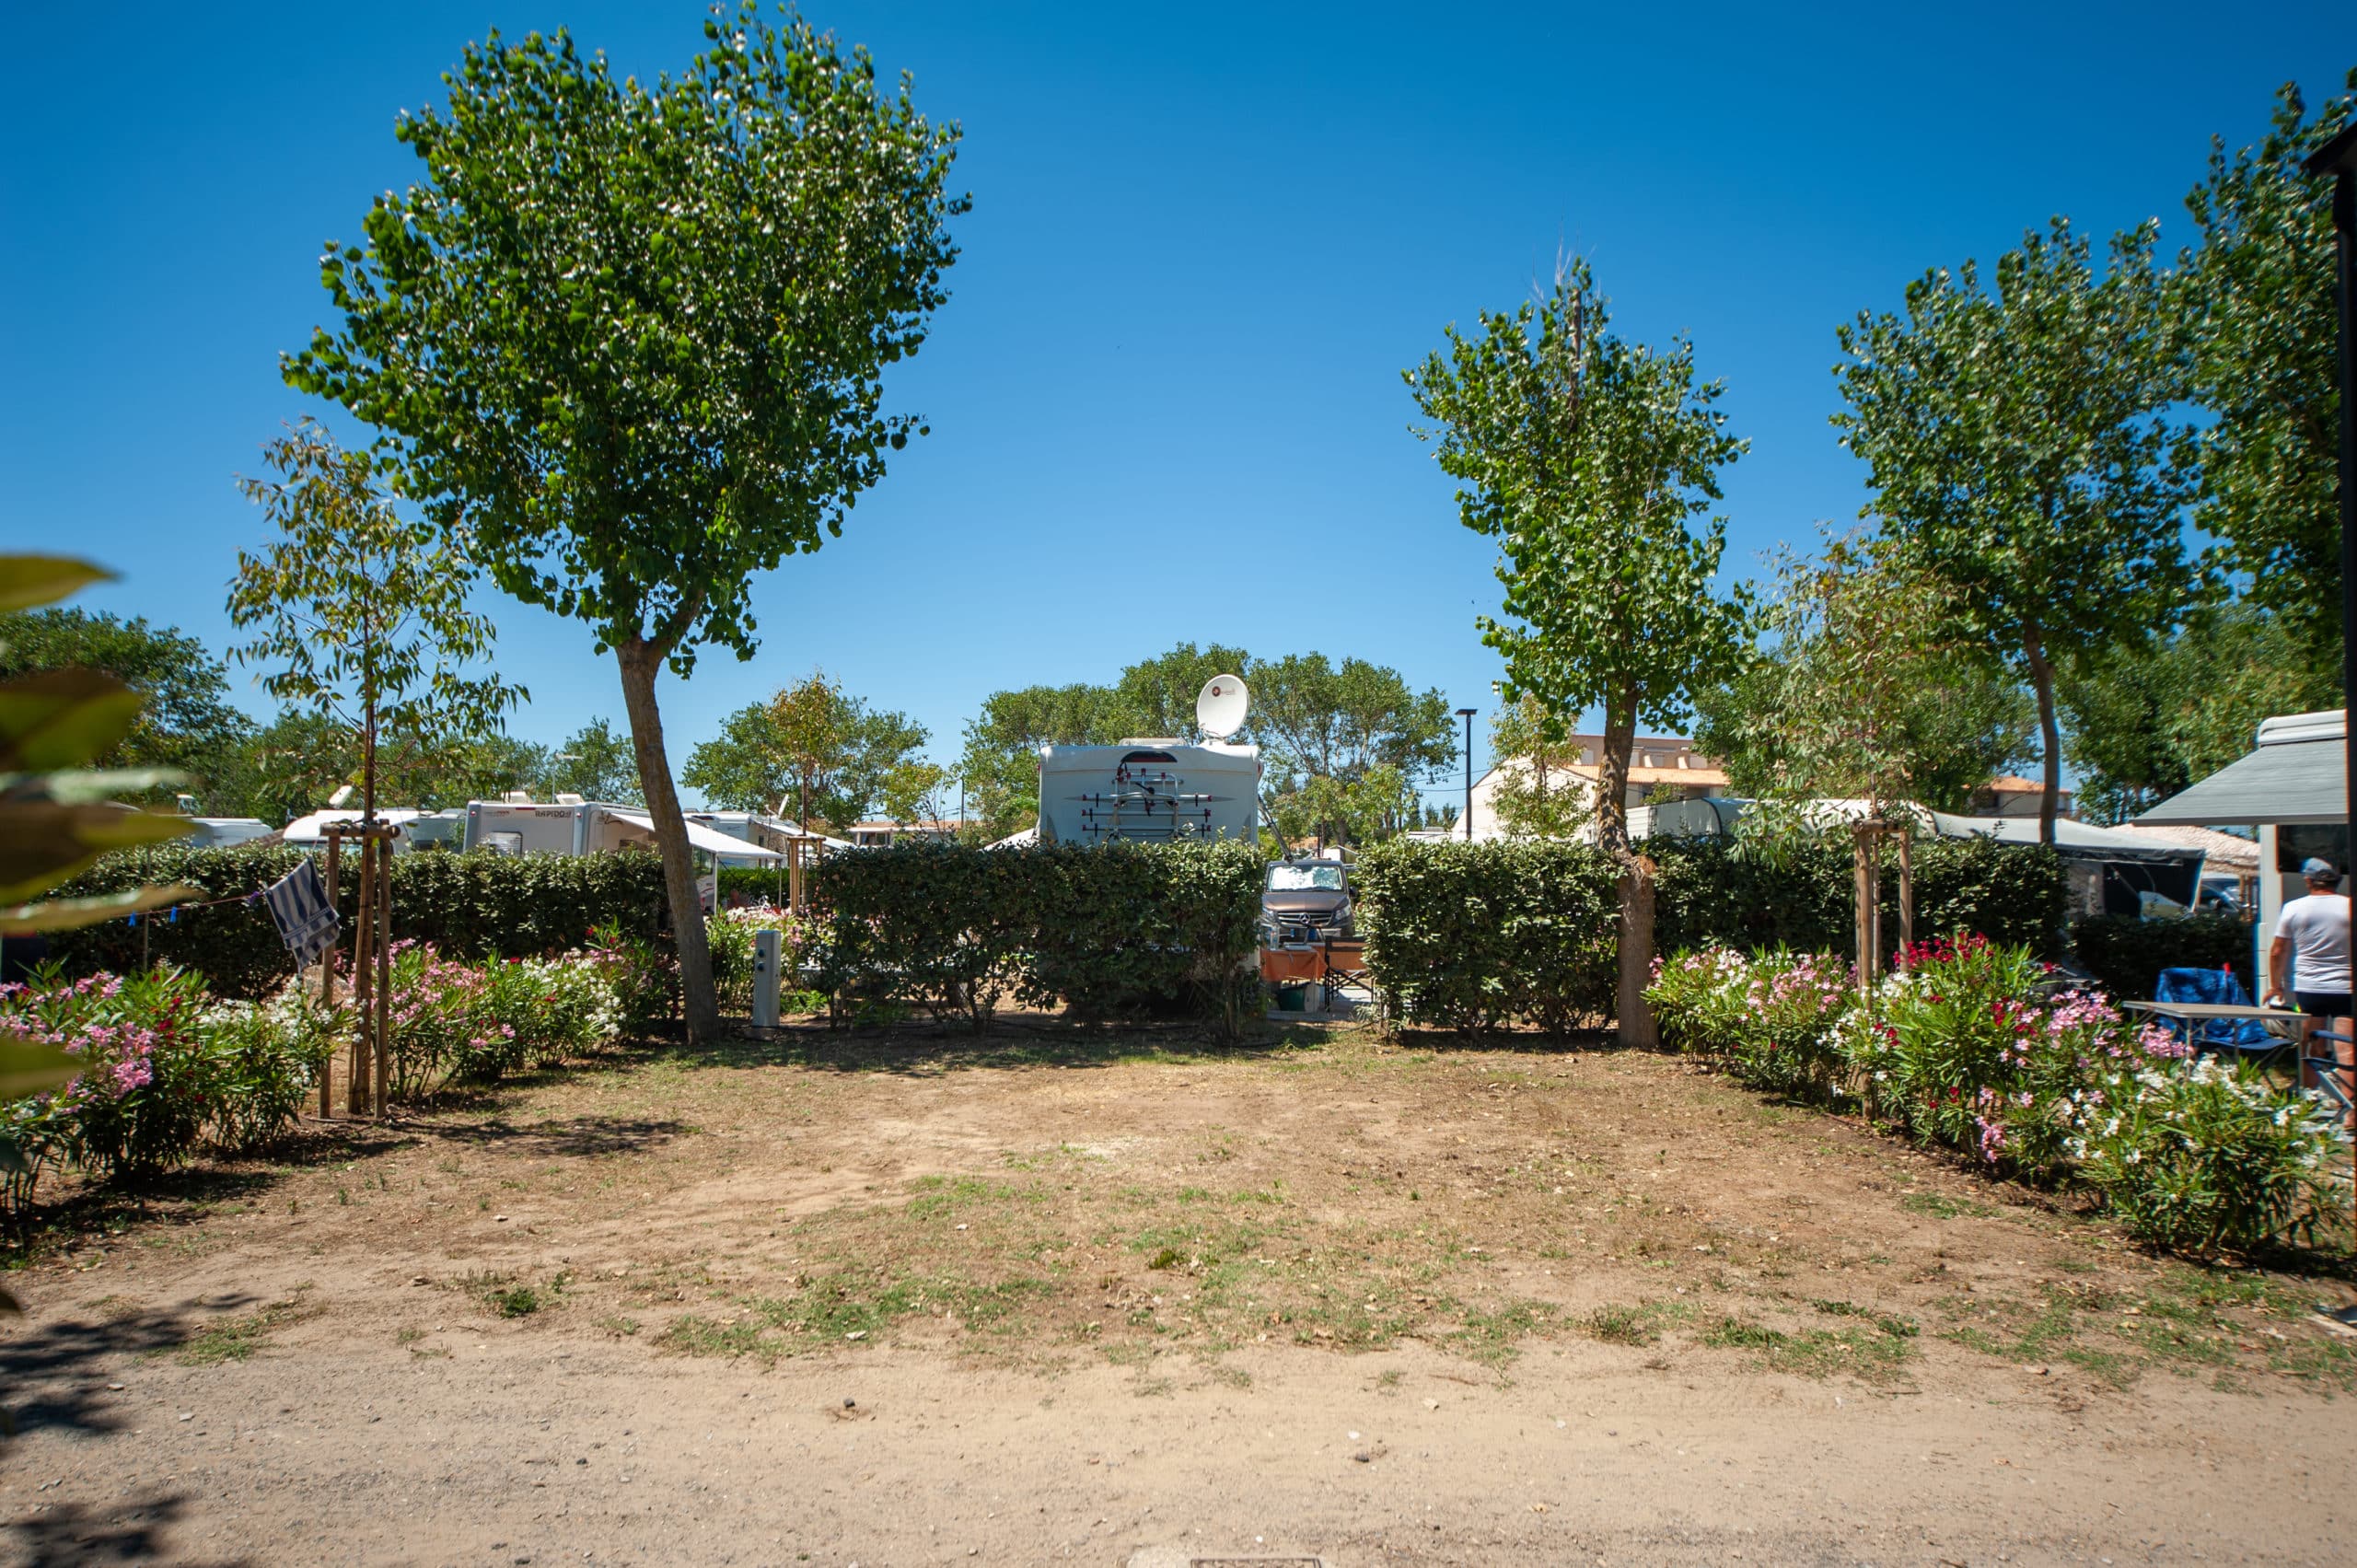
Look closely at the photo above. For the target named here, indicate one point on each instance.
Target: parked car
(1305, 901)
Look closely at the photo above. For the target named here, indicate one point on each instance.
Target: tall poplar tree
(632, 335)
(1586, 457)
(2016, 449)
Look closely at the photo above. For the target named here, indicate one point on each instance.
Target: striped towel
(307, 922)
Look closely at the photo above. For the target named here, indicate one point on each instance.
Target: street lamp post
(1466, 714)
(2338, 158)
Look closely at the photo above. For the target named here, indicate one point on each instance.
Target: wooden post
(1866, 837)
(794, 872)
(1906, 888)
(363, 975)
(326, 971)
(384, 1019)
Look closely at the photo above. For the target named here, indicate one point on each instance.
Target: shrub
(140, 1103)
(2127, 955)
(1471, 937)
(2210, 1157)
(1112, 929)
(729, 935)
(1772, 1016)
(1119, 929)
(265, 1058)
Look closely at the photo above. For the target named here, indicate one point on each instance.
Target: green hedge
(1112, 929)
(2128, 955)
(474, 905)
(1472, 936)
(1710, 891)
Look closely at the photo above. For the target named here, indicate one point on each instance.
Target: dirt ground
(1129, 1300)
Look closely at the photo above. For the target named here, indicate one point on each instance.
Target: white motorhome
(570, 825)
(1153, 790)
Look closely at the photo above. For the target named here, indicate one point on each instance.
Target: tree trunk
(1612, 773)
(1638, 1027)
(2041, 679)
(1636, 1019)
(640, 661)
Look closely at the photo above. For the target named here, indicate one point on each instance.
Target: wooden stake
(793, 874)
(364, 974)
(384, 1029)
(327, 972)
(1906, 890)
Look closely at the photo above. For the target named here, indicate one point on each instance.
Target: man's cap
(2320, 870)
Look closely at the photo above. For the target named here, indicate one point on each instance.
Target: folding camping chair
(2244, 1035)
(2324, 1064)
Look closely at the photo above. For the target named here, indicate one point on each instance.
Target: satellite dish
(1220, 709)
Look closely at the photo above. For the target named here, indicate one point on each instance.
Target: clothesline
(171, 912)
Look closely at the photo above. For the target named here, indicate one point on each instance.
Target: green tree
(186, 721)
(744, 767)
(2016, 452)
(811, 748)
(1158, 693)
(595, 763)
(912, 792)
(2254, 302)
(1537, 796)
(1316, 720)
(2149, 718)
(358, 612)
(1864, 691)
(1001, 762)
(1584, 456)
(633, 335)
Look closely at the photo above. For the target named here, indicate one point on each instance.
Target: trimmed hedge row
(476, 905)
(1471, 937)
(2127, 955)
(1115, 929)
(1710, 891)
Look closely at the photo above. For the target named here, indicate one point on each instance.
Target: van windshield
(1303, 878)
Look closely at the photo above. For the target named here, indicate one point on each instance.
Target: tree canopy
(2254, 307)
(632, 336)
(1584, 456)
(185, 721)
(1864, 691)
(2150, 715)
(2017, 452)
(360, 614)
(812, 750)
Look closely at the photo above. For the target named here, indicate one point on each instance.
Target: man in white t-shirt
(2313, 933)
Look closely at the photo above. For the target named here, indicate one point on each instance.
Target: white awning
(704, 838)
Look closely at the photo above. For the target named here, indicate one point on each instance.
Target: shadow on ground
(52, 1376)
(132, 1530)
(579, 1135)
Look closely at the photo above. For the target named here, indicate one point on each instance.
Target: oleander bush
(2209, 1157)
(167, 1073)
(1771, 1015)
(1970, 1046)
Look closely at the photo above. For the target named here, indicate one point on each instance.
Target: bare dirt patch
(1071, 1297)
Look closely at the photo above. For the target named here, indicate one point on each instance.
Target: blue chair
(2220, 987)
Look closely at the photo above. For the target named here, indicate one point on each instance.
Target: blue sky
(1165, 395)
